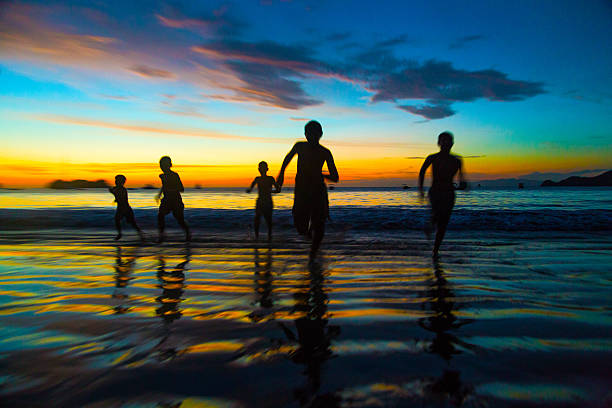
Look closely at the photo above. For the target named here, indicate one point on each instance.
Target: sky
(90, 89)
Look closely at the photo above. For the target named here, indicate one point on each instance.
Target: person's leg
(442, 223)
(256, 224)
(268, 218)
(318, 231)
(442, 217)
(118, 217)
(179, 215)
(132, 220)
(161, 221)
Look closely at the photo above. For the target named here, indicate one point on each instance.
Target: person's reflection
(123, 270)
(172, 283)
(442, 321)
(263, 285)
(314, 337)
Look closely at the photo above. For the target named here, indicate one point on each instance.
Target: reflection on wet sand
(124, 263)
(172, 284)
(443, 323)
(263, 285)
(314, 337)
(90, 324)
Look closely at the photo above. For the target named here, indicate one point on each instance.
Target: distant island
(602, 180)
(66, 185)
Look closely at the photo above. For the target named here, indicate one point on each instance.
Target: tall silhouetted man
(442, 192)
(310, 203)
(171, 202)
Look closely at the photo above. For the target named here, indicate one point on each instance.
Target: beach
(513, 314)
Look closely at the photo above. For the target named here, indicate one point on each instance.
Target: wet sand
(500, 320)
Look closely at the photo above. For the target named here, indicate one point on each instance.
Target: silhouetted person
(310, 203)
(123, 207)
(171, 202)
(266, 185)
(442, 192)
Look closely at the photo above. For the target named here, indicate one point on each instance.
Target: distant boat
(521, 185)
(332, 187)
(149, 187)
(405, 187)
(197, 187)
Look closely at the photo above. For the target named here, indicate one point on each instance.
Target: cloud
(151, 129)
(148, 72)
(436, 111)
(461, 42)
(299, 119)
(223, 64)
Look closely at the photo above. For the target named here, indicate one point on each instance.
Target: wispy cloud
(149, 72)
(461, 42)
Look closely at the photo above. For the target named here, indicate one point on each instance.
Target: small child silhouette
(123, 207)
(442, 191)
(264, 203)
(171, 189)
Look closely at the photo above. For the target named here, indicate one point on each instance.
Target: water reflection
(314, 337)
(262, 285)
(172, 283)
(124, 264)
(443, 323)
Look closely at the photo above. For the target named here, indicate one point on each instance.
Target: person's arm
(275, 185)
(248, 190)
(463, 185)
(281, 174)
(331, 166)
(424, 167)
(180, 184)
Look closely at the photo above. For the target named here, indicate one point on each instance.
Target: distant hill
(64, 185)
(602, 180)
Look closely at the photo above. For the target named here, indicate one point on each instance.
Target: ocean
(384, 209)
(515, 313)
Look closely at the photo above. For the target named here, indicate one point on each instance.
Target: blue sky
(526, 85)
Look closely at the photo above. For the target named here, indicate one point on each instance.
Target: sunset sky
(92, 89)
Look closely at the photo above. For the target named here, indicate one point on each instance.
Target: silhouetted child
(264, 205)
(171, 202)
(310, 203)
(442, 192)
(123, 207)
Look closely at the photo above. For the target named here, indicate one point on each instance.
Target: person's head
(445, 141)
(165, 163)
(263, 168)
(119, 180)
(313, 131)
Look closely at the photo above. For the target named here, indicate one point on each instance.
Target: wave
(344, 218)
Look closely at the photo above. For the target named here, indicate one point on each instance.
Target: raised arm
(180, 184)
(277, 188)
(463, 185)
(331, 166)
(424, 167)
(281, 174)
(248, 190)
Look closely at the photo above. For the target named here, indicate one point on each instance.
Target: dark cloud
(338, 37)
(461, 42)
(436, 111)
(439, 82)
(149, 72)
